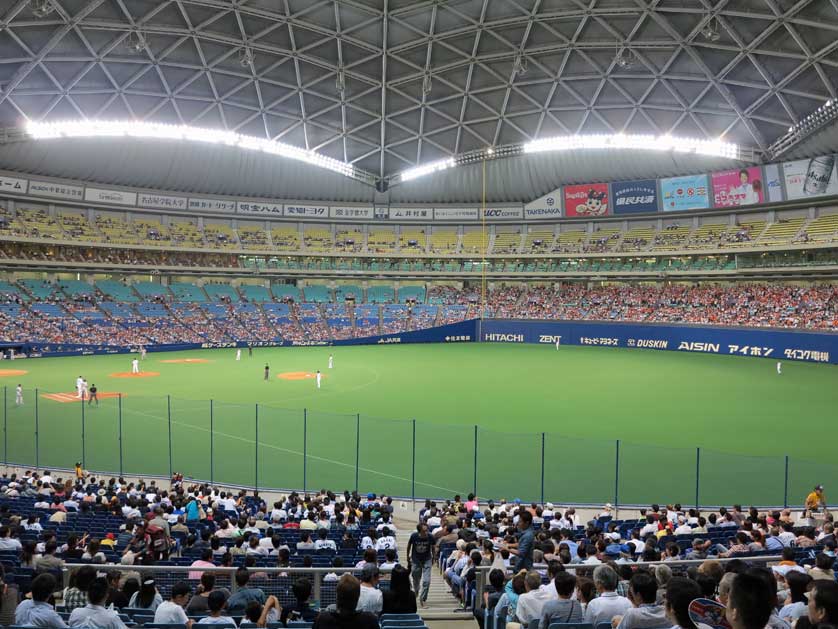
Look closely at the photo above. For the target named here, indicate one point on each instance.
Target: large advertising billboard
(685, 193)
(809, 178)
(590, 199)
(732, 188)
(635, 197)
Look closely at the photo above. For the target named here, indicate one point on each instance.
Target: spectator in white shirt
(645, 614)
(171, 612)
(531, 602)
(323, 542)
(371, 599)
(386, 540)
(305, 542)
(389, 559)
(254, 548)
(7, 542)
(608, 604)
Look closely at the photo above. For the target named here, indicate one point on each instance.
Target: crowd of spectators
(79, 321)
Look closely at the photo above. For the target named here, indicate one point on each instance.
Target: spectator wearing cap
(645, 613)
(816, 500)
(608, 604)
(370, 598)
(147, 597)
(37, 612)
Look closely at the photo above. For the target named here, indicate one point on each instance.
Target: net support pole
(37, 454)
(413, 466)
(169, 415)
(305, 447)
(697, 474)
(256, 458)
(83, 449)
(357, 447)
(475, 460)
(542, 467)
(212, 445)
(786, 485)
(5, 426)
(617, 476)
(119, 407)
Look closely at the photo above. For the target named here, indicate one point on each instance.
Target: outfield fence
(260, 446)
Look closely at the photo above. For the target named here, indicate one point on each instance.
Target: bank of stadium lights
(135, 129)
(715, 148)
(824, 115)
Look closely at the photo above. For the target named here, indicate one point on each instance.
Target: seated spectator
(217, 602)
(608, 604)
(370, 598)
(646, 613)
(823, 603)
(305, 542)
(823, 567)
(346, 616)
(399, 598)
(147, 597)
(48, 561)
(564, 609)
(76, 594)
(171, 611)
(204, 562)
(301, 609)
(680, 592)
(199, 603)
(93, 554)
(750, 605)
(237, 603)
(94, 613)
(531, 602)
(323, 542)
(37, 611)
(7, 540)
(262, 614)
(796, 605)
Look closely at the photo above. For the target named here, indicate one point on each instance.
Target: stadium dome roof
(390, 84)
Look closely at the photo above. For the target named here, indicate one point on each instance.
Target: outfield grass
(660, 405)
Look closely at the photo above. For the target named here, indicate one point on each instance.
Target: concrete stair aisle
(441, 605)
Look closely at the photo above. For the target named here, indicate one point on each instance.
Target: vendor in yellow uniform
(816, 500)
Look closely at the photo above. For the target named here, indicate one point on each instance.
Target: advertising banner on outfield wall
(212, 205)
(685, 193)
(635, 197)
(56, 190)
(13, 185)
(254, 207)
(456, 213)
(546, 207)
(504, 213)
(734, 188)
(306, 211)
(773, 344)
(810, 178)
(590, 199)
(773, 183)
(117, 197)
(411, 214)
(162, 202)
(353, 213)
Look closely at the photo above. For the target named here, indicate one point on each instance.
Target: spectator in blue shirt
(526, 539)
(37, 612)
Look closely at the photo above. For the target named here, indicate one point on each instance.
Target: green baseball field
(723, 429)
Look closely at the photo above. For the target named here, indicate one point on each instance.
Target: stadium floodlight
(427, 169)
(711, 31)
(716, 148)
(153, 130)
(135, 43)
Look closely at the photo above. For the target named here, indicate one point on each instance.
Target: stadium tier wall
(818, 347)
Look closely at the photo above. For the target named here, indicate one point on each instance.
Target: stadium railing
(264, 447)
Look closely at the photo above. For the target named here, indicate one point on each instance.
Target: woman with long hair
(147, 597)
(399, 599)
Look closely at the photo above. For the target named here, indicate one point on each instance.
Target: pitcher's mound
(128, 374)
(8, 373)
(298, 375)
(185, 361)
